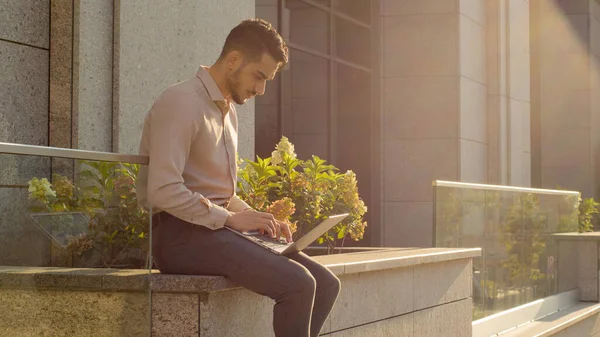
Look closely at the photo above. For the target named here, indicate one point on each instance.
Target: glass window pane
(308, 26)
(267, 118)
(309, 104)
(306, 103)
(352, 42)
(357, 9)
(354, 121)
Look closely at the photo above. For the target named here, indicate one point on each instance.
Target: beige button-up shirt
(190, 136)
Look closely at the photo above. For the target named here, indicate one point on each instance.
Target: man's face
(250, 78)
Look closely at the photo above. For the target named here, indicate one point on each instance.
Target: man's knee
(300, 281)
(304, 282)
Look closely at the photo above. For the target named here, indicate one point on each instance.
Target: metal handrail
(45, 151)
(442, 183)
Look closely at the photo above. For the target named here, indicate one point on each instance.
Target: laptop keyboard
(270, 242)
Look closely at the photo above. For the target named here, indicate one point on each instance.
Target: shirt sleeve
(237, 205)
(173, 127)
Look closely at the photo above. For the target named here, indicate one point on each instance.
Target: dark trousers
(304, 291)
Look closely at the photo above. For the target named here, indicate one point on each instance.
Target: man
(190, 136)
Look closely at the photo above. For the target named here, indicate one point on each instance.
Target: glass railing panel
(74, 239)
(513, 227)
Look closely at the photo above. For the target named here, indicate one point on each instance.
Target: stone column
(61, 47)
(508, 58)
(595, 94)
(93, 75)
(125, 54)
(578, 266)
(455, 97)
(156, 46)
(567, 105)
(434, 101)
(61, 85)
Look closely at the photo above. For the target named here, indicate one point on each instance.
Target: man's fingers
(271, 222)
(267, 229)
(269, 226)
(274, 227)
(278, 226)
(267, 223)
(286, 231)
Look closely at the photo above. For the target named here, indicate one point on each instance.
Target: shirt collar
(213, 89)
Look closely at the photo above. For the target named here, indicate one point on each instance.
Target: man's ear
(234, 60)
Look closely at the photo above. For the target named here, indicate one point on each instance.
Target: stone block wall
(24, 118)
(382, 297)
(384, 293)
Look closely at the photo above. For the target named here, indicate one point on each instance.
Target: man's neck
(217, 72)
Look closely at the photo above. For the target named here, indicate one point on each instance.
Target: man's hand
(249, 220)
(287, 232)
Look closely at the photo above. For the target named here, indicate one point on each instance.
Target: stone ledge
(353, 263)
(141, 280)
(557, 322)
(74, 278)
(589, 236)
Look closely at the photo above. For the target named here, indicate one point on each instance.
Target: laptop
(281, 247)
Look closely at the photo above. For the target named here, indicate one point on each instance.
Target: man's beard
(233, 86)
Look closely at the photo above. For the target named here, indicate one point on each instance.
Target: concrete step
(556, 323)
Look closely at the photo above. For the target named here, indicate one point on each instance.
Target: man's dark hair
(253, 38)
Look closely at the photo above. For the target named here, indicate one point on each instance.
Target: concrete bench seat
(138, 279)
(574, 311)
(384, 292)
(578, 320)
